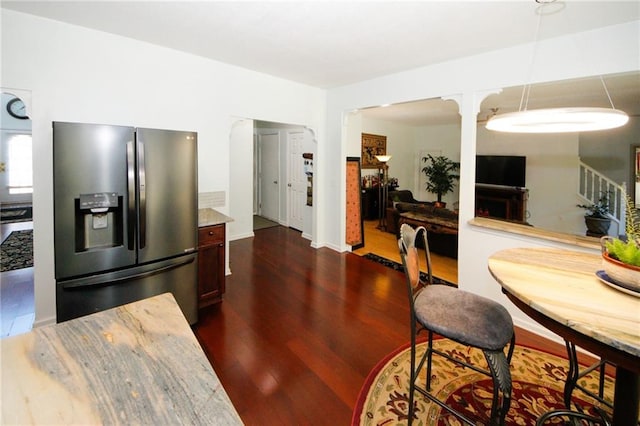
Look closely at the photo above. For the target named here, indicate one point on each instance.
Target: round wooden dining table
(565, 292)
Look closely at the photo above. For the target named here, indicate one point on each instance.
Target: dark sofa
(404, 196)
(441, 223)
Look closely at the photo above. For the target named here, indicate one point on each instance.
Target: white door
(269, 176)
(297, 185)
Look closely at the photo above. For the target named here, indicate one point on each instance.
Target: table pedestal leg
(627, 393)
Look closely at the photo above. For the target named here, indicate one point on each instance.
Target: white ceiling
(332, 43)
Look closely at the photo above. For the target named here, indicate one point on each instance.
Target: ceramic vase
(619, 272)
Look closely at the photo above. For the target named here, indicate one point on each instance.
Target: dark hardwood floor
(299, 329)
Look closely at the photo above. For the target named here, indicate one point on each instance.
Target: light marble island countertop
(562, 285)
(135, 364)
(210, 217)
(560, 290)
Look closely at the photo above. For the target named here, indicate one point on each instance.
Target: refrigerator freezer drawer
(76, 298)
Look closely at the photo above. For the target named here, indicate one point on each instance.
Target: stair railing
(592, 184)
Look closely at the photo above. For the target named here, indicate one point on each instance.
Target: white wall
(241, 179)
(80, 75)
(469, 80)
(436, 140)
(407, 145)
(551, 175)
(400, 140)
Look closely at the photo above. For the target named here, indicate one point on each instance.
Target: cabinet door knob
(210, 232)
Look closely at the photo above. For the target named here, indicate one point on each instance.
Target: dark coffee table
(442, 232)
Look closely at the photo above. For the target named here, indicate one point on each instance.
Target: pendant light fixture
(556, 120)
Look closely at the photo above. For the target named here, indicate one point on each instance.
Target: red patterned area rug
(537, 381)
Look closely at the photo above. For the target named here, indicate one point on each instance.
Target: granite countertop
(135, 364)
(209, 217)
(562, 285)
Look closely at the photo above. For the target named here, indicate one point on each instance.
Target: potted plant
(621, 258)
(393, 183)
(597, 218)
(441, 175)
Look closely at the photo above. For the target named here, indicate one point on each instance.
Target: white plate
(611, 283)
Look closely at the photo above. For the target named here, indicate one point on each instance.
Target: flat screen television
(503, 170)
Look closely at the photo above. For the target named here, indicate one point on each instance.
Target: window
(19, 164)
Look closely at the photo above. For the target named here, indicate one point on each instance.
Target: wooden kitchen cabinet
(211, 265)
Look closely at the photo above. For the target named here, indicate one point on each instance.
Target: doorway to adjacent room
(16, 222)
(280, 182)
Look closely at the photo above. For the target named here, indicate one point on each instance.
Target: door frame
(290, 166)
(262, 181)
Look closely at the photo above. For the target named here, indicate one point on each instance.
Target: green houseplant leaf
(441, 174)
(599, 209)
(626, 251)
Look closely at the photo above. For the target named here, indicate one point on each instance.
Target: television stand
(502, 202)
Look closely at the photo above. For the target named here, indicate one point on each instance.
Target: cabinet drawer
(210, 235)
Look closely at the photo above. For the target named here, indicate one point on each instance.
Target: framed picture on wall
(372, 145)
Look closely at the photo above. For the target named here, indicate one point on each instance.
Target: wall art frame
(372, 145)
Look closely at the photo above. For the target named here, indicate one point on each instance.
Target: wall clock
(17, 109)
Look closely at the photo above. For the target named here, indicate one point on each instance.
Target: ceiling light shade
(383, 158)
(558, 120)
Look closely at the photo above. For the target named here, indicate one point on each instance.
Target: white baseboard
(43, 322)
(241, 236)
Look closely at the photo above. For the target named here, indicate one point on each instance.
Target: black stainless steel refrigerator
(125, 217)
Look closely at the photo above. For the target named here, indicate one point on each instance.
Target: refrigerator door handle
(131, 196)
(143, 195)
(115, 278)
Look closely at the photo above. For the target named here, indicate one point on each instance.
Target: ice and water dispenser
(98, 221)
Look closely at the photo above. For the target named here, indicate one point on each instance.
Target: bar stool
(571, 384)
(458, 315)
